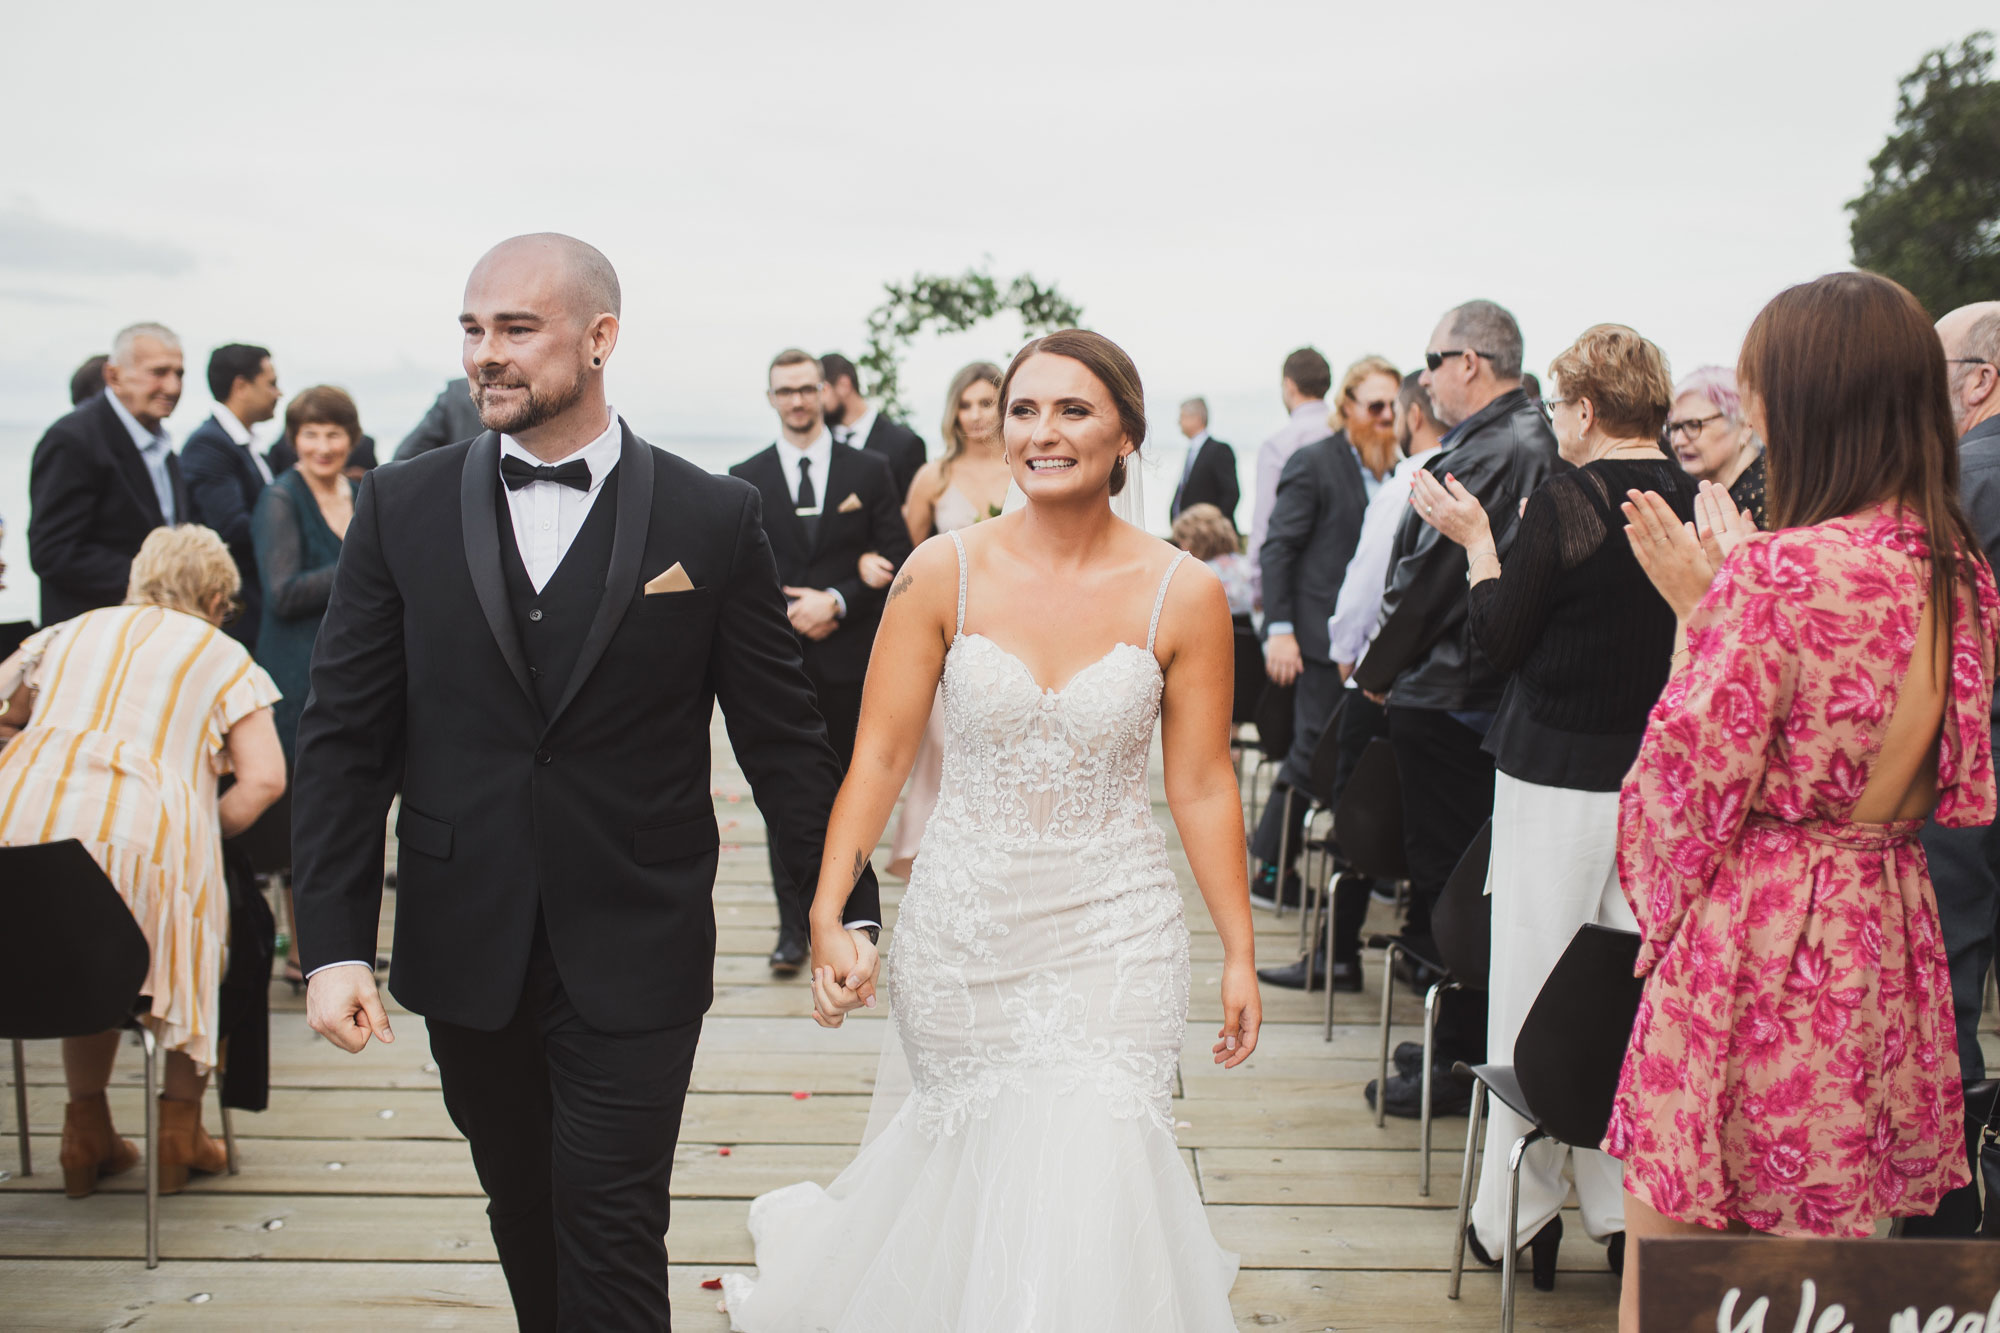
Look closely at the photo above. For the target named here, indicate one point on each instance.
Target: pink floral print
(1793, 1062)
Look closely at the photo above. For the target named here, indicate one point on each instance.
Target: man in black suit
(224, 474)
(528, 633)
(856, 424)
(452, 418)
(825, 505)
(106, 475)
(1208, 477)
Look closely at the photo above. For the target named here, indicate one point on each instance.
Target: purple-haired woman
(1707, 431)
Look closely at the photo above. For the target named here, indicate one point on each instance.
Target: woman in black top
(1588, 644)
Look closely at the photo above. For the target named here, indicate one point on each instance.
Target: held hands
(875, 569)
(813, 611)
(1242, 1015)
(1282, 659)
(342, 1005)
(1447, 506)
(844, 964)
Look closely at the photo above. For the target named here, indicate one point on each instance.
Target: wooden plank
(1377, 1176)
(1316, 1301)
(1308, 1236)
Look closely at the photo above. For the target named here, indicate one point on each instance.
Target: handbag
(1982, 1107)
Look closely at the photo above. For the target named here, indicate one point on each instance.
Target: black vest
(553, 623)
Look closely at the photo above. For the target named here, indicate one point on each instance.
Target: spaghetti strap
(958, 630)
(1159, 601)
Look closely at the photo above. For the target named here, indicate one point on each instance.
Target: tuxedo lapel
(781, 515)
(839, 485)
(621, 576)
(477, 482)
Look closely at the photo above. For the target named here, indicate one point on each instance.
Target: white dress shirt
(857, 434)
(1308, 423)
(820, 454)
(153, 447)
(240, 433)
(1357, 613)
(547, 516)
(1194, 449)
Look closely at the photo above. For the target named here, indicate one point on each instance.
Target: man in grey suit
(1315, 522)
(453, 417)
(1965, 862)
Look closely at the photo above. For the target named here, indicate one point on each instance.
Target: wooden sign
(1754, 1284)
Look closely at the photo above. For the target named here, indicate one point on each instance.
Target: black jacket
(91, 504)
(900, 447)
(1424, 654)
(1211, 481)
(597, 817)
(860, 511)
(451, 418)
(1315, 523)
(1979, 488)
(223, 485)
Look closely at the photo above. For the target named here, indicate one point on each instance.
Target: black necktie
(808, 501)
(518, 472)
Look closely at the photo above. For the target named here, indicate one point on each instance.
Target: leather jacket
(1424, 655)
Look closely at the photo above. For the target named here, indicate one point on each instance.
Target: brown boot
(91, 1147)
(185, 1146)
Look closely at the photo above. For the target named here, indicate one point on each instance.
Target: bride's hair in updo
(1114, 370)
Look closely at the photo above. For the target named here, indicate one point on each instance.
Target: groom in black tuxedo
(527, 635)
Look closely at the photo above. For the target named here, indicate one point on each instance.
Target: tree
(1930, 217)
(952, 304)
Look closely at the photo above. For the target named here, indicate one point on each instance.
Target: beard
(534, 407)
(1375, 443)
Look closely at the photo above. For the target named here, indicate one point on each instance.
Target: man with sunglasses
(1965, 862)
(1440, 690)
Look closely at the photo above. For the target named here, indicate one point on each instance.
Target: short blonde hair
(1623, 375)
(1204, 533)
(186, 568)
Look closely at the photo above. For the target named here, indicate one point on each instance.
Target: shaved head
(1971, 338)
(576, 273)
(540, 321)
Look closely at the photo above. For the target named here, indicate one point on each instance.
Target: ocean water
(19, 599)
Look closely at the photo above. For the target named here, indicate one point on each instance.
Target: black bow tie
(517, 472)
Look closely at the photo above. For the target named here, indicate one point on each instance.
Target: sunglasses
(1436, 359)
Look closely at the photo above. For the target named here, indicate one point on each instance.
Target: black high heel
(1541, 1252)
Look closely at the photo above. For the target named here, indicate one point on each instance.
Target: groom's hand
(342, 1005)
(843, 974)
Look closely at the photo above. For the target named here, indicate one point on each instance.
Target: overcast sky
(1214, 184)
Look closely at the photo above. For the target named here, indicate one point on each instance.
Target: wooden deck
(357, 1206)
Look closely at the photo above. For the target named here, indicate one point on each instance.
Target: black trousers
(1361, 720)
(1447, 785)
(572, 1132)
(840, 705)
(1317, 692)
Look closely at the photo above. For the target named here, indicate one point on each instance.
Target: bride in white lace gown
(1038, 976)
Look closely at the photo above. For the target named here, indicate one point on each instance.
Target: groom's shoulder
(676, 479)
(420, 475)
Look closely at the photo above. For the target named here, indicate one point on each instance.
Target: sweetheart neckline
(1053, 691)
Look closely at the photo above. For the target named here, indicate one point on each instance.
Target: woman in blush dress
(1039, 974)
(968, 484)
(1793, 1068)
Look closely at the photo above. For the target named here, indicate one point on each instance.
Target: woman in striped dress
(129, 715)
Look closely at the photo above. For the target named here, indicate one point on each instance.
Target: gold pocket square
(675, 579)
(850, 504)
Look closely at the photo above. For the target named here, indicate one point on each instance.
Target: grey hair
(126, 343)
(1198, 404)
(1489, 329)
(1982, 339)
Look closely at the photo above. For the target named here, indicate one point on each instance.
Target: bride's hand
(1242, 1015)
(843, 974)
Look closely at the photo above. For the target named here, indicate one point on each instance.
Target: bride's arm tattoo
(860, 864)
(902, 585)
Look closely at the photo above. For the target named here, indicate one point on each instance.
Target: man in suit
(1316, 518)
(106, 475)
(224, 474)
(527, 635)
(452, 418)
(1424, 664)
(856, 424)
(825, 504)
(1209, 474)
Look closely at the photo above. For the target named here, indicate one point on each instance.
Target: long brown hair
(1114, 370)
(978, 372)
(1856, 412)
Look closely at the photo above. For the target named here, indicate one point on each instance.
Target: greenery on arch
(943, 303)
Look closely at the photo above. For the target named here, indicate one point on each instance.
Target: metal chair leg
(1311, 895)
(1510, 1260)
(152, 1049)
(1329, 963)
(1465, 1179)
(21, 1108)
(1388, 989)
(1424, 1112)
(1284, 848)
(228, 1137)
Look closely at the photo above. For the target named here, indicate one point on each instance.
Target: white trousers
(1554, 868)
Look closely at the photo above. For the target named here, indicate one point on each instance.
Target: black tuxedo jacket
(91, 504)
(223, 485)
(831, 559)
(1211, 481)
(900, 447)
(597, 817)
(1315, 525)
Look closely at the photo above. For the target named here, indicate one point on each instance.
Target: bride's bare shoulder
(930, 575)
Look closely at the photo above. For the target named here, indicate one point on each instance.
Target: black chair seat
(1502, 1082)
(1368, 819)
(1402, 946)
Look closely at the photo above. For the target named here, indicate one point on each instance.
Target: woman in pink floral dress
(1793, 1068)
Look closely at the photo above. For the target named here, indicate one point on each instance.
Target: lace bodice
(1027, 763)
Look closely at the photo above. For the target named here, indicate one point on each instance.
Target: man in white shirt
(856, 422)
(225, 474)
(1303, 387)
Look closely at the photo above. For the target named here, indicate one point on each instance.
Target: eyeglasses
(784, 395)
(1969, 361)
(1378, 407)
(1691, 428)
(1437, 359)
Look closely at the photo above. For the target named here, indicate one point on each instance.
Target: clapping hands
(1681, 558)
(1447, 506)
